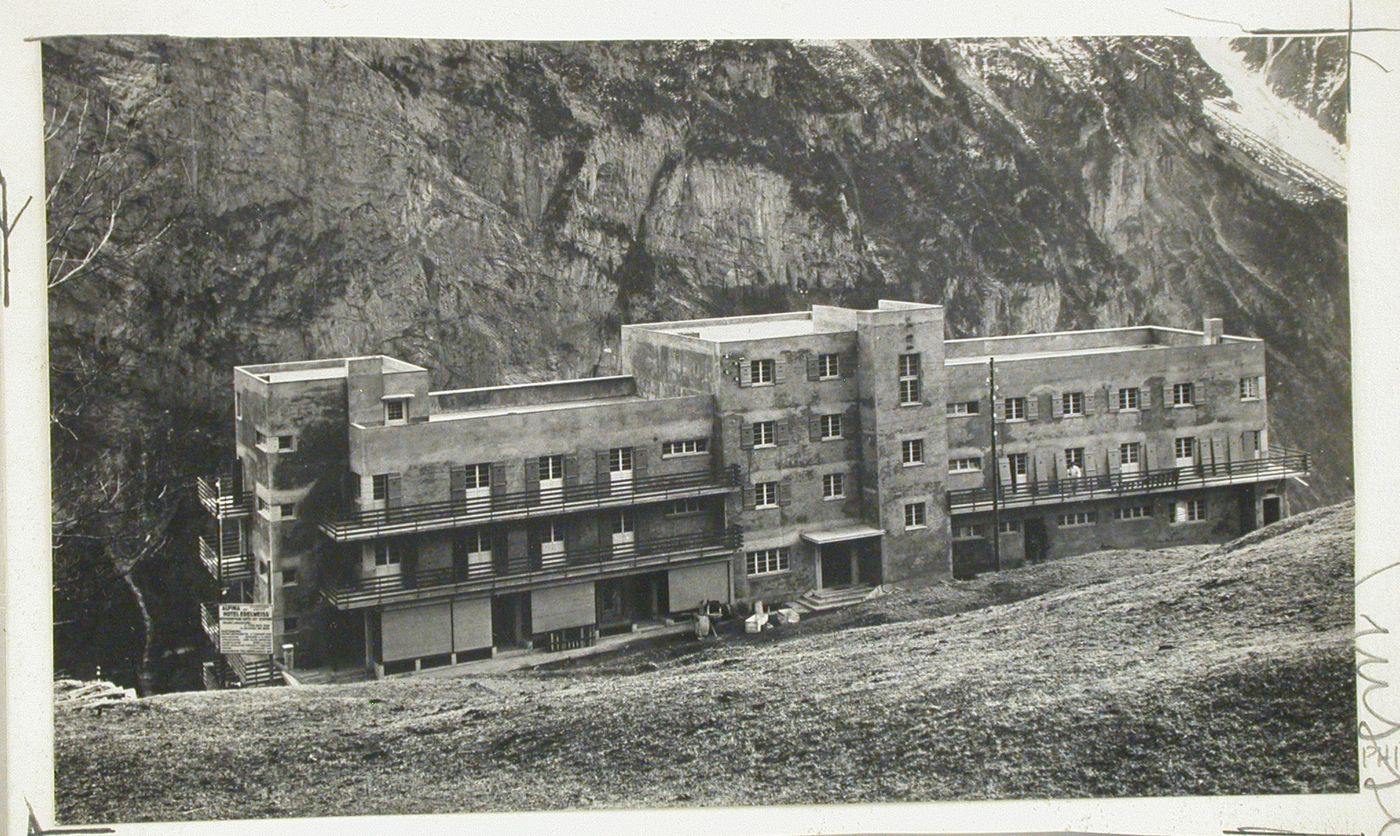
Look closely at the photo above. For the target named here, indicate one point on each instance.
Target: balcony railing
(508, 574)
(209, 620)
(223, 496)
(435, 516)
(251, 670)
(1278, 463)
(226, 567)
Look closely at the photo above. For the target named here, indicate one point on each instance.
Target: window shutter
(1113, 405)
(850, 422)
(813, 372)
(1092, 404)
(1145, 397)
(779, 369)
(571, 538)
(785, 490)
(601, 480)
(571, 470)
(1261, 387)
(746, 436)
(1004, 470)
(1201, 395)
(1032, 407)
(457, 482)
(750, 498)
(639, 462)
(745, 373)
(532, 474)
(1115, 461)
(999, 410)
(814, 427)
(393, 495)
(782, 431)
(1247, 443)
(1057, 405)
(533, 546)
(498, 478)
(847, 362)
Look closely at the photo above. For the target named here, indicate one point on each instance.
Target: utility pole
(996, 465)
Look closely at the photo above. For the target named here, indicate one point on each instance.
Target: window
(962, 408)
(380, 486)
(911, 451)
(288, 511)
(259, 439)
(286, 443)
(552, 467)
(1076, 518)
(761, 372)
(1249, 388)
(477, 476)
(1183, 394)
(384, 555)
(1129, 453)
(834, 486)
(619, 461)
(688, 447)
(830, 427)
(552, 533)
(766, 562)
(1074, 459)
(395, 410)
(1017, 465)
(1192, 510)
(1185, 449)
(1128, 398)
(238, 406)
(765, 495)
(289, 625)
(1009, 526)
(681, 507)
(967, 532)
(1015, 409)
(970, 464)
(262, 505)
(828, 366)
(908, 379)
(1072, 404)
(765, 433)
(1132, 512)
(478, 541)
(914, 515)
(289, 577)
(622, 522)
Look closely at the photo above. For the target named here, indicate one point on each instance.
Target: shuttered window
(834, 486)
(1128, 398)
(765, 494)
(1183, 394)
(828, 366)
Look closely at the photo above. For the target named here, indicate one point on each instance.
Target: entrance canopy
(841, 535)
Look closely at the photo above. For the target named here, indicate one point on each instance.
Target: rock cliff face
(495, 211)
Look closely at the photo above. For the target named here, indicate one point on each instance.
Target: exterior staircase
(823, 600)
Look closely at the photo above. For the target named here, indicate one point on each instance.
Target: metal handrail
(221, 497)
(1276, 462)
(224, 567)
(467, 510)
(520, 571)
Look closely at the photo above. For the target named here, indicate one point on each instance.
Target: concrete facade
(735, 459)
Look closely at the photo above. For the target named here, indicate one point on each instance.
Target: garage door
(471, 623)
(557, 607)
(422, 630)
(689, 585)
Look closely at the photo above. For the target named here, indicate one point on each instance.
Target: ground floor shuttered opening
(420, 635)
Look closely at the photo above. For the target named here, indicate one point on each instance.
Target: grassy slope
(1228, 672)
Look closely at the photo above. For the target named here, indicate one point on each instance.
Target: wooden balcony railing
(226, 567)
(1278, 463)
(209, 620)
(507, 574)
(435, 516)
(223, 496)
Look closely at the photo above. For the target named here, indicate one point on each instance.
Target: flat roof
(326, 369)
(842, 534)
(1038, 355)
(516, 409)
(757, 329)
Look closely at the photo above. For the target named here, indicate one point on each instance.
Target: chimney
(1212, 330)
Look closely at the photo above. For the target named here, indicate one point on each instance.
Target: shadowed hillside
(1228, 671)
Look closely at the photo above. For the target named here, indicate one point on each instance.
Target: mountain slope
(494, 211)
(1229, 672)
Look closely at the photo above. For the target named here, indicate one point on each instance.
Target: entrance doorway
(1273, 509)
(836, 560)
(510, 620)
(1037, 540)
(635, 598)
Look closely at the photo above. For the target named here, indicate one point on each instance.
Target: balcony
(228, 565)
(223, 496)
(209, 620)
(1278, 463)
(437, 516)
(505, 575)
